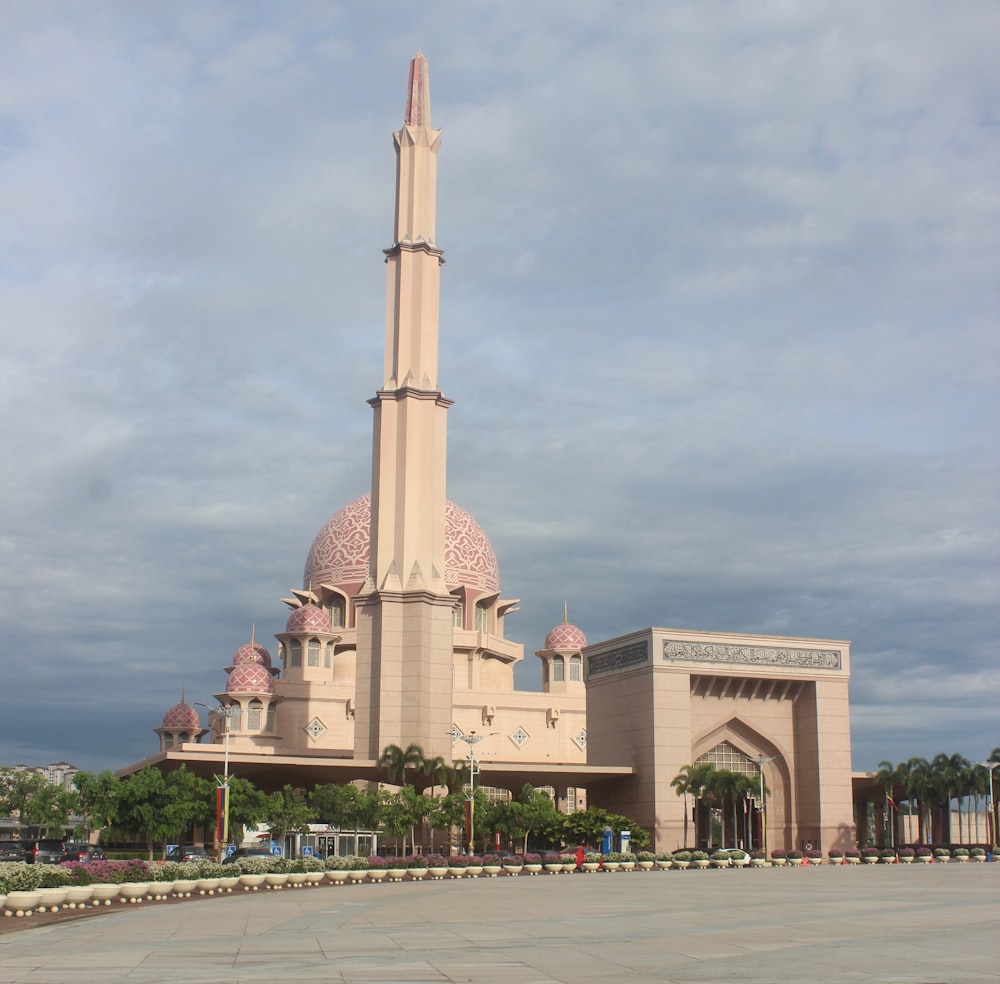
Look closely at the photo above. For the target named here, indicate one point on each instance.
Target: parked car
(83, 852)
(247, 852)
(186, 852)
(43, 851)
(12, 850)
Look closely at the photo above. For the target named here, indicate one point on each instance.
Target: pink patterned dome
(341, 551)
(308, 618)
(250, 678)
(182, 716)
(252, 654)
(565, 636)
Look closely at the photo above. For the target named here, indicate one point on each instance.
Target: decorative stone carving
(616, 660)
(718, 652)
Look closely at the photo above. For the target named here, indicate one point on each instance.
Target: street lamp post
(228, 712)
(471, 739)
(991, 816)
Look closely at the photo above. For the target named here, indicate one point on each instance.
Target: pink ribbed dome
(341, 551)
(250, 678)
(252, 654)
(182, 716)
(565, 636)
(308, 618)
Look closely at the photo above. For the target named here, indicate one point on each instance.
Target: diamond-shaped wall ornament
(520, 737)
(315, 728)
(581, 739)
(456, 733)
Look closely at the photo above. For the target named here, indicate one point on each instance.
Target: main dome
(341, 551)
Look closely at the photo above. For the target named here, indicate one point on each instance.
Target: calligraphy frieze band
(718, 652)
(637, 654)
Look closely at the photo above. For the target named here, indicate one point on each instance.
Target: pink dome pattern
(340, 553)
(182, 716)
(308, 618)
(250, 678)
(251, 654)
(565, 636)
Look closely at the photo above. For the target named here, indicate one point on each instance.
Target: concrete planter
(21, 904)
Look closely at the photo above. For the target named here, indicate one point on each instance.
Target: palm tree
(438, 772)
(888, 776)
(693, 780)
(400, 764)
(918, 787)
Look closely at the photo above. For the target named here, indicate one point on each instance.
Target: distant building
(58, 773)
(397, 635)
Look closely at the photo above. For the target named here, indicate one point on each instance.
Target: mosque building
(397, 634)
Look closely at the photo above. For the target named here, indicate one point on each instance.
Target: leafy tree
(532, 811)
(336, 805)
(247, 805)
(98, 797)
(401, 811)
(446, 812)
(288, 812)
(140, 806)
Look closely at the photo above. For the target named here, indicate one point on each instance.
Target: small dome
(308, 618)
(182, 716)
(250, 678)
(255, 653)
(341, 551)
(565, 636)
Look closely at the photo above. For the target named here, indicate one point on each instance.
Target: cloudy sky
(719, 318)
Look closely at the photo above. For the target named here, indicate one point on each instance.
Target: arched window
(295, 654)
(335, 611)
(269, 726)
(558, 669)
(168, 740)
(482, 618)
(458, 615)
(313, 655)
(254, 710)
(328, 655)
(576, 668)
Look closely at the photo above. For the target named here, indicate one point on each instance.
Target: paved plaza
(932, 924)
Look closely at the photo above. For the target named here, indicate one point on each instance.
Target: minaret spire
(418, 93)
(404, 609)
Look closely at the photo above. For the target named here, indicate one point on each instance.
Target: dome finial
(565, 613)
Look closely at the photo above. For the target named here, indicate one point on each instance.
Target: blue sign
(607, 841)
(230, 849)
(276, 849)
(307, 852)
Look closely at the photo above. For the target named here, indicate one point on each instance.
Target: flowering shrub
(719, 856)
(682, 856)
(852, 852)
(313, 864)
(661, 856)
(458, 861)
(254, 866)
(907, 852)
(537, 859)
(375, 862)
(211, 869)
(757, 855)
(118, 872)
(778, 854)
(699, 856)
(813, 853)
(436, 861)
(645, 856)
(54, 876)
(337, 863)
(416, 861)
(960, 852)
(514, 861)
(942, 853)
(924, 852)
(550, 858)
(593, 857)
(835, 852)
(869, 852)
(475, 861)
(16, 876)
(491, 860)
(628, 856)
(794, 855)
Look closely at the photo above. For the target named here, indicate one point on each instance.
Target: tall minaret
(404, 662)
